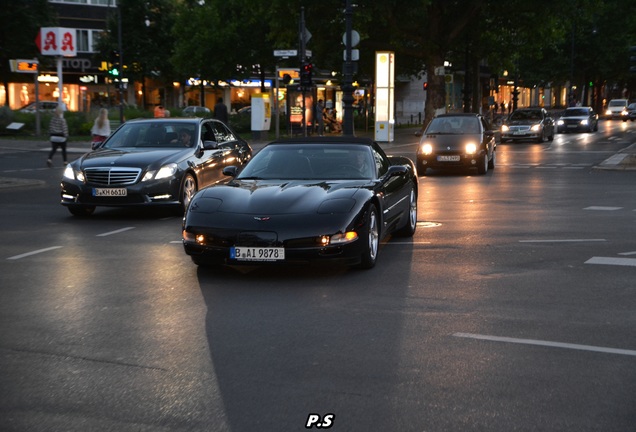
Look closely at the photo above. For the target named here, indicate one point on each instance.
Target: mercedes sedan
(152, 162)
(528, 124)
(304, 200)
(576, 119)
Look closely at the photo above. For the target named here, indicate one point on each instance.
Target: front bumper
(445, 160)
(151, 193)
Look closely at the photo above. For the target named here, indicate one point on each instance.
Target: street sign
(24, 66)
(355, 38)
(285, 53)
(58, 41)
(355, 55)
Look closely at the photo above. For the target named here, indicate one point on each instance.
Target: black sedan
(455, 141)
(578, 119)
(528, 124)
(305, 200)
(152, 162)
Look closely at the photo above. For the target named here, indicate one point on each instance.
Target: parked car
(44, 106)
(631, 112)
(576, 119)
(152, 162)
(304, 200)
(194, 111)
(457, 140)
(528, 124)
(617, 109)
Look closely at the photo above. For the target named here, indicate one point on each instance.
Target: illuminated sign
(293, 73)
(24, 66)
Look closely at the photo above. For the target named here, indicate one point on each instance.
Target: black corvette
(304, 200)
(152, 162)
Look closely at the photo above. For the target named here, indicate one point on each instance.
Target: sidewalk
(622, 161)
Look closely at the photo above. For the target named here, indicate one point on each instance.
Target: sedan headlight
(426, 149)
(608, 112)
(584, 122)
(505, 128)
(624, 113)
(471, 148)
(560, 122)
(536, 128)
(71, 174)
(165, 171)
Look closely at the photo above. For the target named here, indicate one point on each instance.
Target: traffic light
(113, 65)
(306, 75)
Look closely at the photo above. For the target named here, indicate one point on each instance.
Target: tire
(482, 168)
(493, 162)
(188, 189)
(411, 224)
(81, 211)
(371, 239)
(541, 137)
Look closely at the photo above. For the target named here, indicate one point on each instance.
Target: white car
(617, 109)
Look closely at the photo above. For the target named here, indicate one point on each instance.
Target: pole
(347, 85)
(121, 66)
(37, 103)
(60, 84)
(301, 32)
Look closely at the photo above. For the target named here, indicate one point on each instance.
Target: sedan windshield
(526, 115)
(149, 134)
(453, 125)
(576, 112)
(311, 162)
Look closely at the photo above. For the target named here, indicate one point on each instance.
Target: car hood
(131, 157)
(267, 197)
(454, 141)
(575, 117)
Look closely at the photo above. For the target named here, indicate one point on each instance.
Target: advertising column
(384, 96)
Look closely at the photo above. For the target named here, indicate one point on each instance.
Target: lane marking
(547, 344)
(34, 252)
(562, 241)
(602, 208)
(115, 232)
(627, 253)
(630, 262)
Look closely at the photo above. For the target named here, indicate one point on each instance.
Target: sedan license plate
(444, 158)
(244, 253)
(110, 192)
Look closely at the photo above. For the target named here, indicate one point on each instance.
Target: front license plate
(454, 158)
(519, 133)
(110, 192)
(244, 253)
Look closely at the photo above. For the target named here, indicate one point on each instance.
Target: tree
(21, 21)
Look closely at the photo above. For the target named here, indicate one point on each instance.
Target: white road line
(631, 262)
(562, 241)
(602, 208)
(627, 253)
(34, 252)
(115, 232)
(408, 243)
(547, 344)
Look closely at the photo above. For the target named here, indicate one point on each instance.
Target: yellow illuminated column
(384, 95)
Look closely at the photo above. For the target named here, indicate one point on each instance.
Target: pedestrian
(220, 111)
(101, 128)
(320, 109)
(58, 135)
(159, 111)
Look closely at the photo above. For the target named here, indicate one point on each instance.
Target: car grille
(112, 176)
(519, 128)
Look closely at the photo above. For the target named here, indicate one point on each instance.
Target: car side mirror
(230, 171)
(210, 145)
(395, 170)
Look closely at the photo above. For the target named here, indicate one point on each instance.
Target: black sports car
(304, 200)
(150, 162)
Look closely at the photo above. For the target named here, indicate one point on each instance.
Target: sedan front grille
(519, 128)
(112, 176)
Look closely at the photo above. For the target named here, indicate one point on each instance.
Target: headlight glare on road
(471, 148)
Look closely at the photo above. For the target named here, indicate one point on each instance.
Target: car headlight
(584, 122)
(608, 112)
(426, 149)
(536, 128)
(340, 238)
(471, 148)
(560, 122)
(71, 174)
(505, 128)
(164, 172)
(624, 112)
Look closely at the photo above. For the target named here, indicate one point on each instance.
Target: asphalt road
(512, 308)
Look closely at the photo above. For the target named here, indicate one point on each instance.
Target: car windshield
(311, 162)
(526, 115)
(576, 112)
(617, 103)
(153, 134)
(453, 125)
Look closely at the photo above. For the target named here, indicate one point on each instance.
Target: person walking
(58, 135)
(220, 111)
(101, 128)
